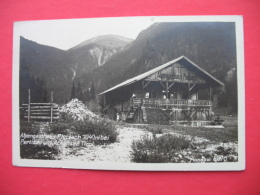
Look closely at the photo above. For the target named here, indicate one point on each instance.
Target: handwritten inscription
(60, 139)
(217, 158)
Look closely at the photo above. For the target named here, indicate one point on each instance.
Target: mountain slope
(95, 52)
(39, 62)
(57, 69)
(210, 45)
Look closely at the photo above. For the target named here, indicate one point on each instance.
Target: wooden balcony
(170, 103)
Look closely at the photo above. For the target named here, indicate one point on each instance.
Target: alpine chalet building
(179, 88)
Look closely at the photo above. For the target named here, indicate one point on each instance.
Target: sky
(65, 34)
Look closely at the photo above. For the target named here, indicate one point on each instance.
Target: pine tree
(80, 95)
(73, 92)
(33, 88)
(86, 96)
(44, 92)
(231, 87)
(92, 92)
(38, 90)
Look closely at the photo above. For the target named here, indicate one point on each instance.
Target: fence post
(29, 106)
(51, 105)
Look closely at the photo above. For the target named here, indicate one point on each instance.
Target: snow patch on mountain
(101, 54)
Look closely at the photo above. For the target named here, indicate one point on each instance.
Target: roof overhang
(150, 72)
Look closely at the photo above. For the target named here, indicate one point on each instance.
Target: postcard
(157, 93)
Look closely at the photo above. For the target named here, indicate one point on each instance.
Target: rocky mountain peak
(109, 41)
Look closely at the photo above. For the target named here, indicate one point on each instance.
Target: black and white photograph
(161, 93)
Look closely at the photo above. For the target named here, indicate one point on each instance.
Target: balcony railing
(170, 103)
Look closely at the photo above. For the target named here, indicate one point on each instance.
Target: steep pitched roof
(150, 72)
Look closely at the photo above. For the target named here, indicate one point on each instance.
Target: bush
(97, 127)
(154, 129)
(65, 117)
(93, 106)
(158, 150)
(225, 151)
(59, 127)
(157, 116)
(88, 127)
(38, 152)
(28, 127)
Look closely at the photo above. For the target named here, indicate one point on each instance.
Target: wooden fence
(40, 111)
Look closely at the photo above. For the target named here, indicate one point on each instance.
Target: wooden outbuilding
(180, 88)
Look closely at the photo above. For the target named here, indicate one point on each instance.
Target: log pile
(40, 111)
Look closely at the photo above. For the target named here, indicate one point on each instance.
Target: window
(147, 95)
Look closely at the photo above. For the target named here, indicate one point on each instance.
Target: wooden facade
(180, 87)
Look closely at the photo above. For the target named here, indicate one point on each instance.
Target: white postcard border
(240, 165)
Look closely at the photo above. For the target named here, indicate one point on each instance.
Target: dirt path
(115, 152)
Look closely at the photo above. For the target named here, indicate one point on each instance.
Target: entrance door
(152, 94)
